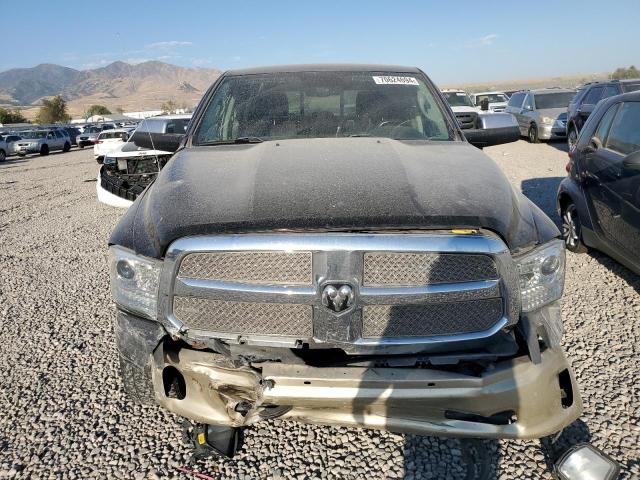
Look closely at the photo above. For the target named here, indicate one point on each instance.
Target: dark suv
(599, 201)
(585, 101)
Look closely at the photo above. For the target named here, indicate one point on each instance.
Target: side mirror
(493, 129)
(632, 161)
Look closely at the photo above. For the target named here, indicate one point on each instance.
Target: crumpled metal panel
(414, 269)
(244, 318)
(430, 319)
(290, 268)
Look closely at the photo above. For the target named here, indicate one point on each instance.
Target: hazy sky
(454, 41)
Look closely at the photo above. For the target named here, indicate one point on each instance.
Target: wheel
(81, 145)
(572, 137)
(67, 147)
(3, 155)
(571, 231)
(532, 135)
(44, 150)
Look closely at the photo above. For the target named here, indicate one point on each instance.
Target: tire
(571, 229)
(67, 147)
(137, 382)
(44, 150)
(532, 134)
(572, 137)
(80, 145)
(3, 155)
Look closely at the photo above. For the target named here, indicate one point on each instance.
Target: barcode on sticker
(393, 80)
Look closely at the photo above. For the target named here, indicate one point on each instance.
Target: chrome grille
(430, 319)
(408, 288)
(412, 269)
(245, 318)
(274, 268)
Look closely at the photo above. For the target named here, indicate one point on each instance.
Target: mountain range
(119, 85)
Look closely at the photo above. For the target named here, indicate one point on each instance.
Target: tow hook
(211, 440)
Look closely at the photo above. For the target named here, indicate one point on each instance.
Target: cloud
(169, 44)
(136, 60)
(199, 62)
(483, 41)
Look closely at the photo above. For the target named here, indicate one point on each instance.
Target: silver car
(11, 141)
(43, 141)
(541, 114)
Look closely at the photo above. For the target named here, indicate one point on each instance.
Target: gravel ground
(63, 414)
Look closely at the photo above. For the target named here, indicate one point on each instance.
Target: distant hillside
(144, 86)
(567, 81)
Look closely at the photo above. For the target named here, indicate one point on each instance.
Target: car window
(605, 122)
(335, 104)
(624, 136)
(630, 87)
(528, 102)
(547, 100)
(177, 125)
(610, 91)
(455, 99)
(593, 96)
(516, 100)
(59, 134)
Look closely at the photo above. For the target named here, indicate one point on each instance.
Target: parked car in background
(599, 201)
(11, 144)
(90, 134)
(463, 107)
(43, 141)
(541, 114)
(497, 101)
(4, 149)
(586, 99)
(73, 134)
(129, 168)
(108, 140)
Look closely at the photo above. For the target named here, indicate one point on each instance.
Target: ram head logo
(337, 297)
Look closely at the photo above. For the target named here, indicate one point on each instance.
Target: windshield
(34, 134)
(322, 104)
(553, 100)
(492, 97)
(458, 99)
(92, 130)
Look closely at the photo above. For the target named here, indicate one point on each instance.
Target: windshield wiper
(233, 141)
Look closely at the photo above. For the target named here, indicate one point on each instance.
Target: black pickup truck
(326, 245)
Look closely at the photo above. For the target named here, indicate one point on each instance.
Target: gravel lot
(63, 415)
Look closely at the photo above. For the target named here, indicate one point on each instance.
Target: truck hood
(329, 184)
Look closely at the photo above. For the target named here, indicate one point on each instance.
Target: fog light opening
(566, 389)
(174, 384)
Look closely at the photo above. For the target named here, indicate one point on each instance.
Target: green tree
(169, 106)
(623, 73)
(97, 110)
(7, 116)
(53, 110)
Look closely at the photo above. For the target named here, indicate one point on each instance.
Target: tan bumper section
(410, 400)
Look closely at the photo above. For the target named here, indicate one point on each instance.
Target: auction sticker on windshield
(393, 80)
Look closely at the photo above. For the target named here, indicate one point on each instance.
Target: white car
(463, 108)
(109, 140)
(497, 100)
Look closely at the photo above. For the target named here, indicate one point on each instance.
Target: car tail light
(98, 141)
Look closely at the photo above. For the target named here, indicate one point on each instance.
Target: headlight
(134, 281)
(548, 120)
(541, 274)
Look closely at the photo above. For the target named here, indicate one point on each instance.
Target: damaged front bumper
(516, 398)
